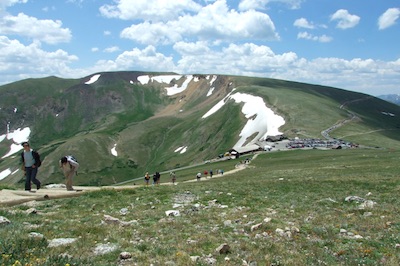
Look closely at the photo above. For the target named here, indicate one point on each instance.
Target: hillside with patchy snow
(123, 123)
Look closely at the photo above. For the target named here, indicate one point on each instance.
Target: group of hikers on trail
(198, 175)
(30, 160)
(157, 177)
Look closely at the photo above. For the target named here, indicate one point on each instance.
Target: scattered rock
(223, 249)
(61, 242)
(123, 211)
(328, 199)
(194, 258)
(267, 220)
(349, 235)
(173, 213)
(368, 204)
(354, 198)
(110, 220)
(4, 220)
(125, 255)
(35, 235)
(210, 260)
(102, 249)
(284, 233)
(31, 211)
(228, 223)
(255, 227)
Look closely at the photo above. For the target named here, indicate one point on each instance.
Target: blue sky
(348, 44)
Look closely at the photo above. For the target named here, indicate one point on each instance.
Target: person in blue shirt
(30, 163)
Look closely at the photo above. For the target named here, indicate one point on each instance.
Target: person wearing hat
(30, 163)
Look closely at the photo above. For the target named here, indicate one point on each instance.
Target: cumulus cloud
(214, 21)
(48, 31)
(151, 10)
(308, 36)
(31, 60)
(6, 3)
(303, 23)
(147, 59)
(259, 60)
(261, 4)
(111, 49)
(388, 18)
(344, 19)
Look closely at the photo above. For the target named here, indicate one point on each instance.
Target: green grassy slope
(286, 208)
(68, 116)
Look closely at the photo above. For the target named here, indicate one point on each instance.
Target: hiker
(30, 160)
(69, 166)
(147, 178)
(211, 173)
(154, 179)
(158, 177)
(198, 176)
(173, 177)
(205, 173)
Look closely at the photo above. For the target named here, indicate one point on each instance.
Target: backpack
(73, 161)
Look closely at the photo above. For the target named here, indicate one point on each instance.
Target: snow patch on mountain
(93, 79)
(261, 119)
(181, 149)
(167, 79)
(17, 136)
(5, 173)
(114, 150)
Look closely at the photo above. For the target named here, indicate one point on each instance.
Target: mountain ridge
(146, 125)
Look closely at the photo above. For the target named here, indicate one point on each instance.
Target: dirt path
(10, 197)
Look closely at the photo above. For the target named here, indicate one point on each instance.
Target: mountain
(121, 124)
(393, 98)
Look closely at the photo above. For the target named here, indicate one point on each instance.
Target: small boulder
(223, 249)
(4, 220)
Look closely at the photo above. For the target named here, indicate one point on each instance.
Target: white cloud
(112, 49)
(345, 19)
(308, 36)
(20, 61)
(215, 22)
(7, 3)
(198, 48)
(303, 23)
(48, 31)
(388, 18)
(152, 10)
(146, 59)
(261, 4)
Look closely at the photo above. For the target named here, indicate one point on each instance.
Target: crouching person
(69, 168)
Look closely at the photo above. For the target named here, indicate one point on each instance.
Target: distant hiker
(211, 173)
(173, 177)
(69, 166)
(198, 176)
(205, 173)
(154, 179)
(30, 160)
(158, 177)
(147, 178)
